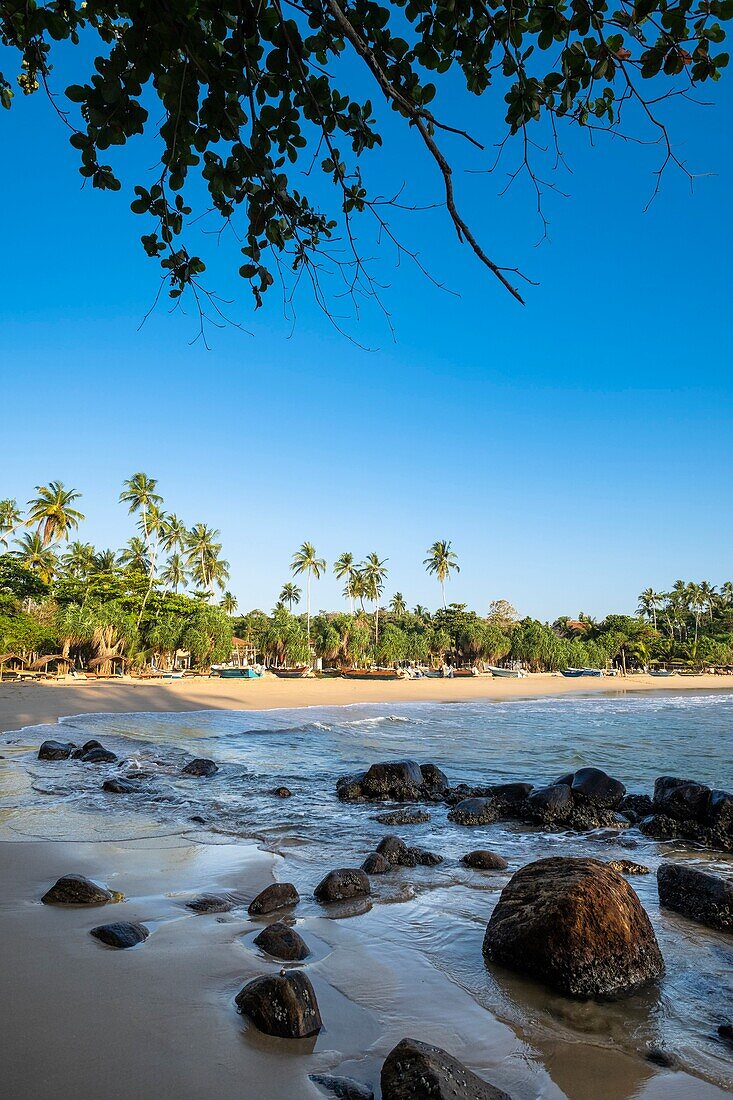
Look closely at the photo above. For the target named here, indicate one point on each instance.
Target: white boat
(514, 673)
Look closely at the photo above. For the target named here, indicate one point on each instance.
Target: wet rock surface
(210, 903)
(403, 817)
(98, 755)
(200, 768)
(699, 895)
(474, 811)
(483, 860)
(282, 942)
(279, 895)
(628, 867)
(78, 890)
(376, 864)
(575, 925)
(284, 1005)
(121, 786)
(56, 750)
(686, 809)
(394, 781)
(420, 1071)
(342, 884)
(282, 792)
(343, 1088)
(120, 935)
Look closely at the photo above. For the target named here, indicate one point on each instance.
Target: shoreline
(43, 703)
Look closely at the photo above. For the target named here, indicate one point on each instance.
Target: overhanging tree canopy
(253, 96)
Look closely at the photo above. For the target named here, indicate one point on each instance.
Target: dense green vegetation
(155, 599)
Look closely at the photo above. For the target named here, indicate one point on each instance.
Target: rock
(98, 756)
(698, 895)
(659, 827)
(403, 817)
(575, 925)
(474, 811)
(376, 864)
(393, 849)
(681, 799)
(283, 942)
(511, 792)
(664, 1058)
(91, 744)
(422, 857)
(720, 812)
(197, 819)
(628, 867)
(550, 804)
(396, 781)
(343, 1088)
(201, 768)
(120, 786)
(419, 1071)
(279, 895)
(635, 806)
(595, 786)
(121, 935)
(348, 788)
(343, 883)
(56, 750)
(483, 860)
(434, 780)
(210, 903)
(78, 890)
(282, 792)
(725, 1031)
(283, 1005)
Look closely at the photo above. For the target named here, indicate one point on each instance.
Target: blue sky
(575, 451)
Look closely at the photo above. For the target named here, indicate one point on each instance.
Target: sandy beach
(158, 1023)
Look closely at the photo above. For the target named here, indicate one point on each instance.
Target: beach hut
(61, 664)
(243, 653)
(11, 664)
(112, 665)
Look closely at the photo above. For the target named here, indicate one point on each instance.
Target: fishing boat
(237, 673)
(582, 672)
(465, 672)
(291, 673)
(371, 674)
(662, 672)
(514, 673)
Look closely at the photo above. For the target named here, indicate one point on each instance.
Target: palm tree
(306, 561)
(78, 561)
(374, 574)
(290, 594)
(345, 569)
(228, 603)
(135, 555)
(173, 533)
(440, 561)
(53, 513)
(202, 558)
(11, 518)
(105, 561)
(139, 492)
(709, 596)
(648, 604)
(397, 604)
(175, 572)
(36, 556)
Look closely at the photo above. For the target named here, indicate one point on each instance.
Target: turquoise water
(442, 911)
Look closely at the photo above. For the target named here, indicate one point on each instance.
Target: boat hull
(238, 674)
(370, 674)
(289, 673)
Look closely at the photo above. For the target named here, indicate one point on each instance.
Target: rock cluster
(698, 895)
(394, 781)
(420, 1071)
(575, 925)
(690, 810)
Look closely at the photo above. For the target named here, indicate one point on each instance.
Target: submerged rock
(98, 755)
(79, 890)
(403, 817)
(282, 942)
(421, 857)
(201, 768)
(701, 896)
(210, 903)
(56, 750)
(393, 849)
(284, 1005)
(725, 1031)
(342, 884)
(419, 1071)
(279, 895)
(376, 864)
(551, 804)
(343, 1088)
(483, 860)
(121, 786)
(282, 792)
(628, 867)
(121, 934)
(596, 787)
(575, 925)
(474, 811)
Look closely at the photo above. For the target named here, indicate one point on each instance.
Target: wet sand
(157, 1022)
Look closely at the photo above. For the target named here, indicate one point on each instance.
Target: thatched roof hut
(41, 663)
(13, 660)
(107, 665)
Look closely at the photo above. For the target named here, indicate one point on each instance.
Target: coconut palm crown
(51, 510)
(440, 562)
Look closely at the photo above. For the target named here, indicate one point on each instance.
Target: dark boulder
(420, 1071)
(279, 895)
(596, 787)
(121, 935)
(342, 884)
(434, 780)
(698, 895)
(659, 827)
(403, 817)
(725, 1031)
(720, 813)
(348, 788)
(376, 864)
(635, 806)
(56, 750)
(681, 799)
(98, 756)
(201, 768)
(284, 1005)
(511, 793)
(421, 857)
(210, 903)
(393, 849)
(91, 744)
(399, 780)
(120, 786)
(664, 1058)
(282, 792)
(343, 1088)
(550, 804)
(282, 942)
(483, 860)
(474, 811)
(78, 890)
(575, 925)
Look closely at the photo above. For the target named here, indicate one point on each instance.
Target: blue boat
(582, 672)
(236, 673)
